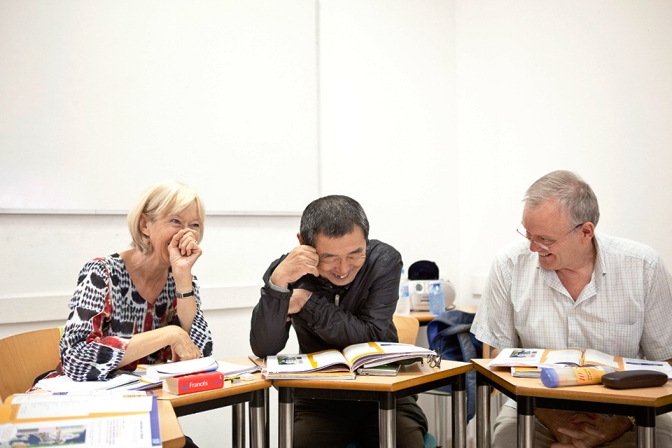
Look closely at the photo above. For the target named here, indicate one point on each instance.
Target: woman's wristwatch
(184, 295)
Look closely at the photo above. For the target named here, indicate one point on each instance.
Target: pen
(125, 385)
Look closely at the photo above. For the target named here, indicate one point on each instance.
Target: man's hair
(159, 200)
(572, 193)
(332, 216)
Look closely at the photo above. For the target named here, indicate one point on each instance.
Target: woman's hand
(182, 347)
(184, 249)
(142, 344)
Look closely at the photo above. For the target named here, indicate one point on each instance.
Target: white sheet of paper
(49, 406)
(66, 384)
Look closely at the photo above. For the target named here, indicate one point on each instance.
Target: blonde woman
(141, 305)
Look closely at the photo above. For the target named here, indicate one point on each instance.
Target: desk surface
(171, 433)
(228, 390)
(408, 376)
(237, 394)
(532, 387)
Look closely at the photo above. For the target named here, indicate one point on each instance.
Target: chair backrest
(25, 356)
(407, 328)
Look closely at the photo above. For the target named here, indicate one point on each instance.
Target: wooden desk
(411, 380)
(644, 404)
(236, 395)
(171, 433)
(425, 317)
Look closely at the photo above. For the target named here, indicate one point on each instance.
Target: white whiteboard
(98, 100)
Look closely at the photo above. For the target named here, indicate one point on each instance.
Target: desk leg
(646, 429)
(238, 414)
(646, 437)
(285, 417)
(387, 421)
(525, 422)
(257, 419)
(483, 424)
(267, 430)
(459, 400)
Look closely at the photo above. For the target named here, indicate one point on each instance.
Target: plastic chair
(25, 356)
(407, 328)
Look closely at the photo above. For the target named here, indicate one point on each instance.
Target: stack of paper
(63, 383)
(231, 369)
(162, 371)
(96, 419)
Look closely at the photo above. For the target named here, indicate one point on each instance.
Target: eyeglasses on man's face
(540, 241)
(356, 259)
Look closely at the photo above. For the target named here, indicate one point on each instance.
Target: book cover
(195, 382)
(526, 372)
(154, 422)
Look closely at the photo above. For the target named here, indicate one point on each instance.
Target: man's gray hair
(572, 193)
(332, 216)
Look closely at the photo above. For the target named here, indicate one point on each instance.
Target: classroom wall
(578, 85)
(436, 116)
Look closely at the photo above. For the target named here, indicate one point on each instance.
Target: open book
(332, 364)
(519, 358)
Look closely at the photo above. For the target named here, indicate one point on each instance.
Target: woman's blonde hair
(159, 200)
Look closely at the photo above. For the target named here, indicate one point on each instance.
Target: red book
(195, 382)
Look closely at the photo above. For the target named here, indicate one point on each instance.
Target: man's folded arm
(269, 329)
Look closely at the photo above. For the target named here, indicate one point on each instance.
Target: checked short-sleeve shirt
(624, 310)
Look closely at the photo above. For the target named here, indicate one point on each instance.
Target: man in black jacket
(336, 288)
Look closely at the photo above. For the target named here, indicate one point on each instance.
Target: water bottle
(404, 302)
(573, 376)
(437, 301)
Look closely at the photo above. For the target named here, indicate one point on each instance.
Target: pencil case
(632, 379)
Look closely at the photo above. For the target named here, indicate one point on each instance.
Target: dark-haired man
(336, 288)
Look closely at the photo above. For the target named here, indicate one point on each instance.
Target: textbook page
(373, 354)
(643, 364)
(328, 365)
(514, 357)
(328, 360)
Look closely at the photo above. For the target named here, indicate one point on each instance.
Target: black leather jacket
(364, 312)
